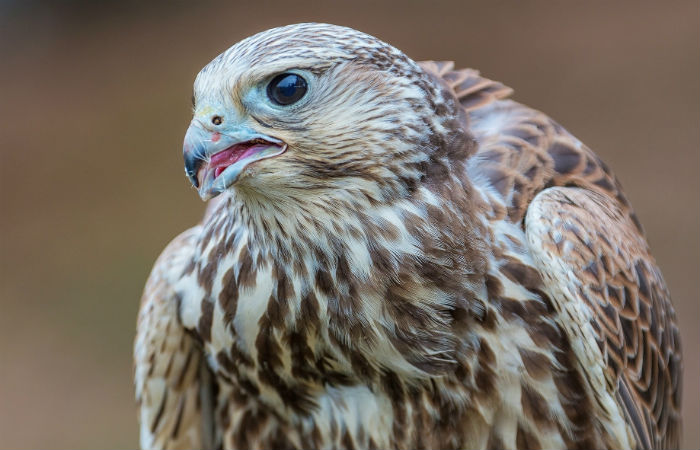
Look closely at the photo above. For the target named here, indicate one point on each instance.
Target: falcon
(395, 255)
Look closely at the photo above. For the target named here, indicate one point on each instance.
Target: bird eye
(286, 88)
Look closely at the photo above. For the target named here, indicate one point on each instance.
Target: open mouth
(227, 157)
(224, 167)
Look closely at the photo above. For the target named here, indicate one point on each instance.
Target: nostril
(216, 120)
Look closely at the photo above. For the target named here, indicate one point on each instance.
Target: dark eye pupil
(286, 88)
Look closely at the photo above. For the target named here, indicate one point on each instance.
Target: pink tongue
(226, 157)
(223, 160)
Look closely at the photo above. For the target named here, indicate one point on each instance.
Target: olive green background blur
(95, 100)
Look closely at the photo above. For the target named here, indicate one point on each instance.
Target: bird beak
(214, 160)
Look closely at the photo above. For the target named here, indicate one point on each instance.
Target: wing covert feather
(584, 241)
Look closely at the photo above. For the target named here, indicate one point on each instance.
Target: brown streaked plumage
(406, 259)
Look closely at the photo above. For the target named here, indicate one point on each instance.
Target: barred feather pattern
(430, 265)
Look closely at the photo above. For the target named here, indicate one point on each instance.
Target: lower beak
(214, 160)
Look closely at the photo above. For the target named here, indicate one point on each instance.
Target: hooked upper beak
(214, 160)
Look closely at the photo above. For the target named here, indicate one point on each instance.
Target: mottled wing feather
(472, 90)
(173, 383)
(587, 243)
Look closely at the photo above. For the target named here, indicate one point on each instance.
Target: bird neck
(331, 223)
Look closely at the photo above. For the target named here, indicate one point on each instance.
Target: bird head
(313, 109)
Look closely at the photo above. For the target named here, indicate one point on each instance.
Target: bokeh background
(94, 102)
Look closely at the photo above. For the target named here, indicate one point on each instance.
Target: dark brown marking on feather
(484, 379)
(193, 333)
(605, 262)
(246, 272)
(462, 372)
(223, 412)
(151, 363)
(525, 439)
(495, 442)
(269, 361)
(636, 222)
(499, 179)
(535, 407)
(248, 386)
(259, 260)
(249, 425)
(604, 182)
(343, 274)
(354, 232)
(280, 440)
(381, 258)
(205, 277)
(532, 172)
(592, 269)
(611, 314)
(301, 355)
(543, 330)
(629, 331)
(372, 444)
(189, 268)
(431, 270)
(489, 320)
(208, 233)
(178, 307)
(537, 364)
(460, 319)
(637, 422)
(494, 287)
(361, 366)
(170, 363)
(240, 357)
(566, 159)
(159, 414)
(394, 388)
(486, 355)
(295, 396)
(642, 281)
(576, 404)
(591, 166)
(204, 326)
(185, 368)
(278, 307)
(308, 317)
(314, 439)
(402, 310)
(512, 308)
(225, 363)
(178, 418)
(613, 362)
(324, 282)
(228, 297)
(266, 343)
(416, 319)
(347, 441)
(520, 273)
(231, 243)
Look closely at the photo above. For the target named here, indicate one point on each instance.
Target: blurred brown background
(94, 102)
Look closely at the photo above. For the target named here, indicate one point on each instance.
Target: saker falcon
(395, 255)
